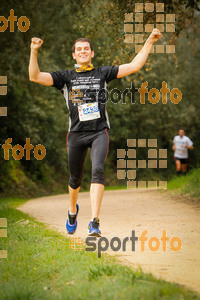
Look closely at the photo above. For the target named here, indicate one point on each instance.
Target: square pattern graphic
(75, 95)
(127, 164)
(134, 27)
(3, 92)
(76, 244)
(3, 234)
(131, 164)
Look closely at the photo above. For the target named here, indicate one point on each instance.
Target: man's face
(181, 132)
(83, 54)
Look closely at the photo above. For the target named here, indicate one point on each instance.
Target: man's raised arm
(34, 72)
(140, 59)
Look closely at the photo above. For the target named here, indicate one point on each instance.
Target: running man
(181, 144)
(88, 119)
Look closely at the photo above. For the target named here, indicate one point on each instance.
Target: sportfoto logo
(115, 95)
(116, 244)
(18, 150)
(23, 22)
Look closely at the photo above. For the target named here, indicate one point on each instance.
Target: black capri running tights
(77, 145)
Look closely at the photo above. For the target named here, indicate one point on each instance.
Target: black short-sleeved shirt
(85, 87)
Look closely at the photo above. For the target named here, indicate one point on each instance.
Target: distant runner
(83, 89)
(181, 144)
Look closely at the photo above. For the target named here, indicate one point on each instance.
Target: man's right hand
(36, 43)
(35, 75)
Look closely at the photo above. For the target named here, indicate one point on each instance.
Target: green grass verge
(41, 265)
(108, 188)
(188, 184)
(115, 187)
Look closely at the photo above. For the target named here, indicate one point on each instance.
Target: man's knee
(98, 174)
(74, 182)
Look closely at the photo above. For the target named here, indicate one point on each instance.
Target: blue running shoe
(93, 228)
(72, 228)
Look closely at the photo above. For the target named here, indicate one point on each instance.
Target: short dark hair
(181, 128)
(81, 40)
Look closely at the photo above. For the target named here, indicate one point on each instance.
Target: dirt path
(125, 210)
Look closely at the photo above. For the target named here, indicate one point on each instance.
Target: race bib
(88, 111)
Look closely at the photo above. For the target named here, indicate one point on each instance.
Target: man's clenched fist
(36, 43)
(155, 35)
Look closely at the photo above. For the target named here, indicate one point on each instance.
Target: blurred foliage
(40, 113)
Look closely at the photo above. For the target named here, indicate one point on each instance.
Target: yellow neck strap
(83, 68)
